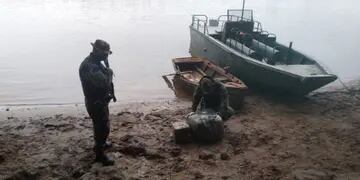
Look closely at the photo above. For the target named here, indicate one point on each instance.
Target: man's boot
(103, 158)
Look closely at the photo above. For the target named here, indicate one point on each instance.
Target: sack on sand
(206, 125)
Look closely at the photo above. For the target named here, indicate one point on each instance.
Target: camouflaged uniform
(218, 100)
(96, 81)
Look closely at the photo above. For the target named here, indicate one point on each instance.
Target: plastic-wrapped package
(206, 126)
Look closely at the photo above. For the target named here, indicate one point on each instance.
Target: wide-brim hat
(102, 46)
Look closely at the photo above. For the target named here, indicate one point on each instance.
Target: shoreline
(79, 110)
(68, 108)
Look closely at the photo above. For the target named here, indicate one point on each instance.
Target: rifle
(106, 62)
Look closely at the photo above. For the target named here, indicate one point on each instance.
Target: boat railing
(199, 22)
(262, 35)
(272, 36)
(228, 17)
(222, 19)
(244, 14)
(257, 26)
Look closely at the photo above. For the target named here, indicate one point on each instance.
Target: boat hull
(186, 89)
(254, 74)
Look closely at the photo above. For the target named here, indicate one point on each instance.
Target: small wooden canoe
(189, 71)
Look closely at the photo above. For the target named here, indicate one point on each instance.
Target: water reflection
(44, 41)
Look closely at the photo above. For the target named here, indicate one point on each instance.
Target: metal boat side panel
(251, 73)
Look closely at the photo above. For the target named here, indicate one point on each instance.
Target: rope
(350, 91)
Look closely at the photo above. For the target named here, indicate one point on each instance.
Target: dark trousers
(226, 113)
(99, 113)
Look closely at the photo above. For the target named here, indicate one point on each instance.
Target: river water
(44, 41)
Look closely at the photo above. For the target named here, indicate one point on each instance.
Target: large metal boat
(253, 54)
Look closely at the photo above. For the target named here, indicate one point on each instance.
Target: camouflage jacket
(217, 100)
(96, 80)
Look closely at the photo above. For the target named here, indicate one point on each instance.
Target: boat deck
(194, 68)
(195, 77)
(299, 69)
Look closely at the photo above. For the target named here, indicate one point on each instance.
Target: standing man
(211, 94)
(96, 81)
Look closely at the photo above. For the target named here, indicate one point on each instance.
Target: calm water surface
(44, 41)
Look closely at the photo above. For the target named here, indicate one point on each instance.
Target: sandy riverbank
(270, 138)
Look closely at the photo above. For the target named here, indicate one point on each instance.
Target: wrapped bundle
(206, 126)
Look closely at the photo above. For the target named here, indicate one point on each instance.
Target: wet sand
(317, 137)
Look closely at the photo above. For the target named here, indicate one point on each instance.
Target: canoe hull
(254, 74)
(189, 71)
(185, 89)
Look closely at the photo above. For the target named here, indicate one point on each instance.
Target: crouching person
(211, 94)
